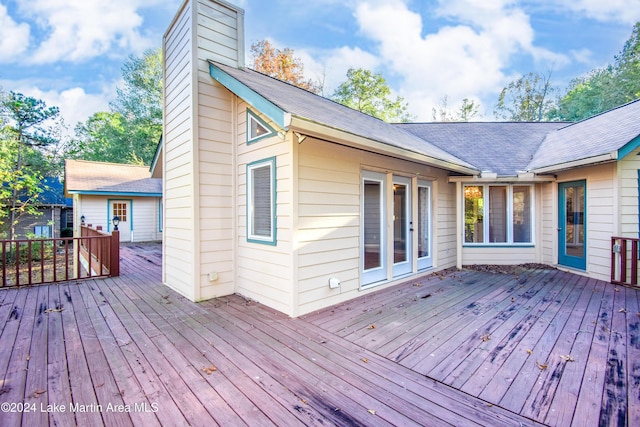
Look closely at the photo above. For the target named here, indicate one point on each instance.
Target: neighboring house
(298, 202)
(55, 213)
(101, 191)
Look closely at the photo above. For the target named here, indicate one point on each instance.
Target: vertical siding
(178, 155)
(329, 218)
(265, 272)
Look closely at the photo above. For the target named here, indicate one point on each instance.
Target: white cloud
(624, 11)
(76, 105)
(14, 37)
(79, 30)
(464, 60)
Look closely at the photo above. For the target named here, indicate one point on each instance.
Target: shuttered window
(261, 203)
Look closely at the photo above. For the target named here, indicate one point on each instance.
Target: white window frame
(509, 213)
(271, 238)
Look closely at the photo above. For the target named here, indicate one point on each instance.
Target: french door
(389, 227)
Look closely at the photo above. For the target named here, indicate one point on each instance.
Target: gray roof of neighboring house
(599, 135)
(86, 177)
(505, 148)
(307, 105)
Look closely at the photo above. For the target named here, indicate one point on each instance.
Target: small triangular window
(257, 128)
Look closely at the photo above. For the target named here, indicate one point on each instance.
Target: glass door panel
(571, 224)
(373, 227)
(402, 226)
(424, 226)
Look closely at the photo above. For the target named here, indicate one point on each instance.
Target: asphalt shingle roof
(312, 107)
(86, 177)
(598, 135)
(505, 148)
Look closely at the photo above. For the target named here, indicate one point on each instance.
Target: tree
(605, 88)
(130, 132)
(281, 64)
(467, 111)
(28, 132)
(370, 94)
(526, 99)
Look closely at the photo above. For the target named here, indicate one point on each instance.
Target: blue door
(572, 218)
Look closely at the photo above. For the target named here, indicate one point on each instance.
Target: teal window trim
(109, 217)
(160, 215)
(253, 116)
(272, 238)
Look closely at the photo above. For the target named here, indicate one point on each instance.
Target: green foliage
(27, 136)
(281, 64)
(605, 88)
(370, 94)
(527, 99)
(130, 132)
(467, 111)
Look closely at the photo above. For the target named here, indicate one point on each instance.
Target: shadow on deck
(465, 348)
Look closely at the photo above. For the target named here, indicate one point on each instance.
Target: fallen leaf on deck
(303, 401)
(39, 392)
(372, 326)
(568, 358)
(485, 338)
(529, 351)
(209, 370)
(54, 310)
(364, 359)
(541, 366)
(616, 289)
(513, 299)
(28, 357)
(372, 411)
(623, 310)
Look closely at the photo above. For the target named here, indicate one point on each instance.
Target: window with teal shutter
(261, 203)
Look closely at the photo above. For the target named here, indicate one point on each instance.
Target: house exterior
(101, 191)
(55, 213)
(297, 202)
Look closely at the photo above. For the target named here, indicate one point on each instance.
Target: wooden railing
(624, 260)
(38, 261)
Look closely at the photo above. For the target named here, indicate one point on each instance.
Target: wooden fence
(624, 260)
(37, 261)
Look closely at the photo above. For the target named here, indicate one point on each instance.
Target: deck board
(412, 354)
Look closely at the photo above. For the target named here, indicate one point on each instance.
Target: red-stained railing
(37, 261)
(624, 260)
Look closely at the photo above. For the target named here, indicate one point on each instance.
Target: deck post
(114, 254)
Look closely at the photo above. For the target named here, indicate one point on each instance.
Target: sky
(69, 53)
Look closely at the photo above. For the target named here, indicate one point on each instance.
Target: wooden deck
(467, 348)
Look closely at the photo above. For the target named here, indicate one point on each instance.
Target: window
(257, 128)
(498, 214)
(261, 201)
(120, 210)
(42, 231)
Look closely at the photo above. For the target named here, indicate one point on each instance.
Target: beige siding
(144, 215)
(219, 35)
(548, 222)
(500, 255)
(602, 214)
(329, 218)
(628, 193)
(265, 272)
(178, 178)
(198, 158)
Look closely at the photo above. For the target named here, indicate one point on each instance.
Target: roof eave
(589, 161)
(115, 193)
(251, 97)
(321, 131)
